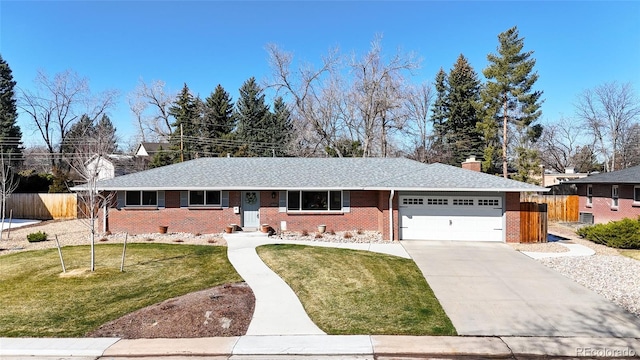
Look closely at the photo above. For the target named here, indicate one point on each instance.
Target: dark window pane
(213, 197)
(293, 200)
(149, 198)
(315, 200)
(196, 197)
(336, 200)
(133, 198)
(636, 194)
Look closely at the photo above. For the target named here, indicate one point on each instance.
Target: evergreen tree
(253, 118)
(281, 129)
(439, 117)
(509, 99)
(10, 133)
(83, 137)
(185, 137)
(107, 133)
(464, 94)
(218, 122)
(164, 157)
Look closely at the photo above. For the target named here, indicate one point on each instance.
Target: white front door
(251, 209)
(467, 218)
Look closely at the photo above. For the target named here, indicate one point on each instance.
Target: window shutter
(160, 198)
(282, 202)
(184, 198)
(121, 199)
(225, 199)
(346, 201)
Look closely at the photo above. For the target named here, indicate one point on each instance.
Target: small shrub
(107, 233)
(359, 232)
(623, 234)
(318, 236)
(331, 232)
(37, 236)
(304, 233)
(197, 234)
(148, 239)
(178, 240)
(211, 241)
(347, 235)
(103, 239)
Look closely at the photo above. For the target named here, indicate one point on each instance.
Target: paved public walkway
(490, 289)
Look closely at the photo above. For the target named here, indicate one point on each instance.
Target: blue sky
(577, 44)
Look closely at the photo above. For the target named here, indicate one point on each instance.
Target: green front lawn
(358, 292)
(37, 301)
(634, 254)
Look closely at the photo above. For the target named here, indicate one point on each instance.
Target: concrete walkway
(490, 289)
(278, 310)
(574, 250)
(321, 347)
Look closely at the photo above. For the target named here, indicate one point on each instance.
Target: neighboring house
(430, 202)
(146, 151)
(112, 165)
(609, 196)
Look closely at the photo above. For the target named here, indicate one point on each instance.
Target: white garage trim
(465, 217)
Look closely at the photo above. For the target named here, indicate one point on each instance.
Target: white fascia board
(226, 188)
(459, 189)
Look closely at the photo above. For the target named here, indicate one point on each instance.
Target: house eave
(315, 188)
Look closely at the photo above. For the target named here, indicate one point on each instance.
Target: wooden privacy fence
(561, 208)
(43, 206)
(533, 222)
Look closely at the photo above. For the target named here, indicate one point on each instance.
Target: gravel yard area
(76, 232)
(608, 273)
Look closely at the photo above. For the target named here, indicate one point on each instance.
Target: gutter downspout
(391, 214)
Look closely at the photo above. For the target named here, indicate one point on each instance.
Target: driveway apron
(490, 289)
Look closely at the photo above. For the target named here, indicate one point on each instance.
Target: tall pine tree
(253, 117)
(464, 94)
(281, 129)
(10, 133)
(185, 140)
(218, 123)
(439, 117)
(509, 100)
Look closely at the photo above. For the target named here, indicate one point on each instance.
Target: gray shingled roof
(625, 176)
(312, 173)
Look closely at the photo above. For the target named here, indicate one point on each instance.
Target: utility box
(236, 209)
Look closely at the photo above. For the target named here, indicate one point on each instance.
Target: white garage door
(466, 218)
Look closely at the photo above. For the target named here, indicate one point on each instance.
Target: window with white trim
(614, 196)
(141, 198)
(412, 201)
(314, 200)
(488, 202)
(205, 198)
(437, 201)
(636, 195)
(589, 195)
(463, 202)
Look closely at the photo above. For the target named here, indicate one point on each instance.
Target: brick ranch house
(609, 196)
(427, 201)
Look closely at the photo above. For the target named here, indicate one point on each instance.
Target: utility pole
(181, 145)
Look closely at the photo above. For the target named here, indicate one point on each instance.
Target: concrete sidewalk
(322, 346)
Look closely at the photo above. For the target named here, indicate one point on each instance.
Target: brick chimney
(472, 164)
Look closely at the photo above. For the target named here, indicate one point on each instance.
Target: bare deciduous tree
(560, 143)
(418, 104)
(88, 161)
(378, 95)
(150, 104)
(8, 184)
(609, 111)
(57, 103)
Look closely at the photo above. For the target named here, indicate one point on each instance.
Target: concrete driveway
(490, 289)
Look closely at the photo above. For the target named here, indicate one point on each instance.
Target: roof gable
(625, 176)
(313, 173)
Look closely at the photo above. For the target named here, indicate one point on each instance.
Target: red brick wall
(601, 207)
(368, 211)
(512, 212)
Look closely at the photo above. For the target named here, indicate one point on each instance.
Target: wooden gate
(533, 222)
